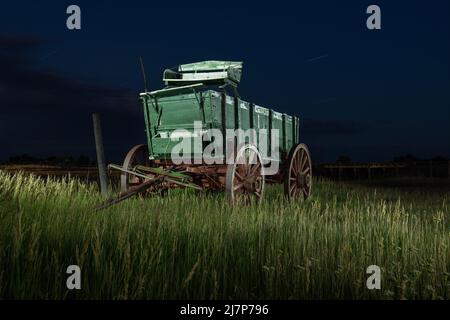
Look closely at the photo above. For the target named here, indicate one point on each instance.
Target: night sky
(371, 95)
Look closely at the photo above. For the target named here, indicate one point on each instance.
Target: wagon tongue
(152, 176)
(129, 193)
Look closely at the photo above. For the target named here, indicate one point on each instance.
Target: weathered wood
(103, 176)
(129, 193)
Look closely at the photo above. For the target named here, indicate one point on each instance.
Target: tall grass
(195, 246)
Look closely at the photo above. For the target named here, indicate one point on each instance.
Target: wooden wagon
(200, 98)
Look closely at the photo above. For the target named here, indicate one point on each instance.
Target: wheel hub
(253, 183)
(300, 180)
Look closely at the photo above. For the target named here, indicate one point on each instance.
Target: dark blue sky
(368, 94)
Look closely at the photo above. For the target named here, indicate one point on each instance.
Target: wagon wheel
(245, 179)
(298, 176)
(138, 155)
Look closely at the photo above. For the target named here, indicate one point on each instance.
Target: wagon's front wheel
(138, 155)
(298, 174)
(245, 177)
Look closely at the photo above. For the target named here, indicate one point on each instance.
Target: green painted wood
(166, 114)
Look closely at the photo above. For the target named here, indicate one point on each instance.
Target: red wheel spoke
(293, 186)
(299, 161)
(238, 175)
(240, 168)
(294, 167)
(305, 193)
(304, 162)
(255, 167)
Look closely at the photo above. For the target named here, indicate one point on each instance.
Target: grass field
(193, 246)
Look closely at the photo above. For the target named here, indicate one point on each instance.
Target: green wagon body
(177, 108)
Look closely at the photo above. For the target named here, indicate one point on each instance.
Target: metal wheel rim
(138, 155)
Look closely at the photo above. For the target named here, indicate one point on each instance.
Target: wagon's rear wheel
(245, 178)
(298, 175)
(138, 155)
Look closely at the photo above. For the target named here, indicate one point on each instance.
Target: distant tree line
(62, 161)
(400, 166)
(404, 159)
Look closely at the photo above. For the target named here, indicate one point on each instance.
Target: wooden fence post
(100, 154)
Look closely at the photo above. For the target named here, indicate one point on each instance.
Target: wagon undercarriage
(243, 180)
